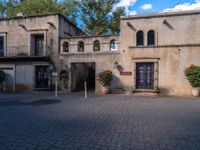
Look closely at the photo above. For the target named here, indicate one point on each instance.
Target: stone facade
(27, 42)
(149, 55)
(176, 46)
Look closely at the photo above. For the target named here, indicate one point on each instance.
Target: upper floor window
(96, 45)
(151, 38)
(65, 47)
(140, 38)
(80, 46)
(113, 45)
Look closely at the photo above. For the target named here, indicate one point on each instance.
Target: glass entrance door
(42, 77)
(145, 75)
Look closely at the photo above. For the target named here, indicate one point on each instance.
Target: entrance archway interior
(81, 72)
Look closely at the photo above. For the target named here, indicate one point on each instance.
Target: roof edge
(162, 14)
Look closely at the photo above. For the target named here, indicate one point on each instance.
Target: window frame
(65, 46)
(99, 47)
(137, 38)
(80, 44)
(116, 45)
(148, 38)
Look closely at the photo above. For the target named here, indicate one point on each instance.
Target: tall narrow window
(140, 38)
(80, 46)
(1, 46)
(113, 45)
(65, 47)
(96, 45)
(151, 38)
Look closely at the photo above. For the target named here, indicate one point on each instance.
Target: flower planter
(105, 89)
(195, 92)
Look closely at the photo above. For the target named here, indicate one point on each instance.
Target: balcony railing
(23, 51)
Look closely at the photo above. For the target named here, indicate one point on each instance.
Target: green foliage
(33, 7)
(2, 76)
(105, 77)
(192, 73)
(64, 75)
(100, 17)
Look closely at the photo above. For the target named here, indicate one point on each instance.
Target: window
(151, 38)
(140, 38)
(1, 46)
(96, 45)
(65, 47)
(80, 46)
(113, 45)
(39, 45)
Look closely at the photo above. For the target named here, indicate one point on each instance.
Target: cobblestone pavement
(110, 122)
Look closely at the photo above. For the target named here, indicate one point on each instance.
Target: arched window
(151, 38)
(96, 45)
(65, 47)
(80, 46)
(113, 45)
(140, 38)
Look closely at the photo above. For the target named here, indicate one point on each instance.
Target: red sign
(125, 73)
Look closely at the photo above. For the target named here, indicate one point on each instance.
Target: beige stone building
(149, 55)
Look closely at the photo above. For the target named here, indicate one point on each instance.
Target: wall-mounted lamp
(115, 64)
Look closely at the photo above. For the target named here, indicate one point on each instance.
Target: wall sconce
(115, 64)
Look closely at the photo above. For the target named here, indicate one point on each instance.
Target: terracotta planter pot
(195, 92)
(105, 89)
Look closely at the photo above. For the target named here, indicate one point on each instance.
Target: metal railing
(23, 51)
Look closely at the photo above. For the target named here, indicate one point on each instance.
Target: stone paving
(112, 122)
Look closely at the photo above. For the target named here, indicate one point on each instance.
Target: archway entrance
(81, 72)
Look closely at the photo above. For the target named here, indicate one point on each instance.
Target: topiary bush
(2, 76)
(192, 73)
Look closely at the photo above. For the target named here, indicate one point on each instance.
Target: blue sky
(152, 6)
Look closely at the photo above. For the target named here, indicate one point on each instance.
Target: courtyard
(38, 121)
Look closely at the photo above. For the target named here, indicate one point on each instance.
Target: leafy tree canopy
(32, 7)
(97, 17)
(100, 16)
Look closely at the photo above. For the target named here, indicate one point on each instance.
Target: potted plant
(192, 73)
(2, 78)
(105, 79)
(64, 77)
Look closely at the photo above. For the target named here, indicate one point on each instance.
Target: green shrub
(2, 76)
(64, 76)
(105, 77)
(192, 73)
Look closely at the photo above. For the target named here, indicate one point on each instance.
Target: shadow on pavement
(34, 103)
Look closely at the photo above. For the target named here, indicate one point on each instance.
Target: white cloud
(127, 4)
(184, 6)
(147, 6)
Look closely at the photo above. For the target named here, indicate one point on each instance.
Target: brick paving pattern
(110, 122)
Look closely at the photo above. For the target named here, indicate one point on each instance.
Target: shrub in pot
(192, 73)
(64, 77)
(2, 78)
(105, 79)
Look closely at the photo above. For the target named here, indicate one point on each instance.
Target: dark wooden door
(41, 77)
(39, 45)
(1, 46)
(145, 75)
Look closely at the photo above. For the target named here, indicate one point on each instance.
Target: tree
(33, 7)
(100, 16)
